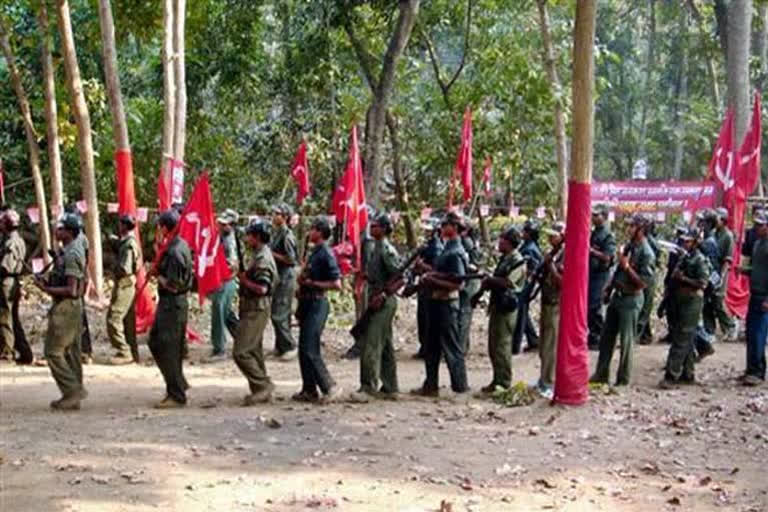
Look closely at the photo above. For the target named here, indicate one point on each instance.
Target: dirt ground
(695, 449)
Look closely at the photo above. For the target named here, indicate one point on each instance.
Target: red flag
(356, 216)
(349, 197)
(746, 174)
(300, 173)
(198, 227)
(487, 177)
(170, 184)
(721, 166)
(126, 199)
(463, 169)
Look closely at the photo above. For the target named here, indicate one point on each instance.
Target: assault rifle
(628, 249)
(390, 287)
(475, 299)
(533, 283)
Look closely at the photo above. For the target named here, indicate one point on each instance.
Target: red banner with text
(655, 196)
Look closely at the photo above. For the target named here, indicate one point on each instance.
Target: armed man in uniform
(286, 256)
(444, 338)
(714, 309)
(551, 284)
(757, 314)
(469, 244)
(634, 271)
(167, 336)
(505, 285)
(256, 286)
(644, 327)
(531, 251)
(378, 367)
(223, 318)
(690, 277)
(121, 318)
(12, 255)
(432, 249)
(66, 286)
(320, 274)
(602, 250)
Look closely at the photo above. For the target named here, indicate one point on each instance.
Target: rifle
(239, 249)
(671, 285)
(304, 269)
(626, 251)
(361, 326)
(475, 299)
(533, 283)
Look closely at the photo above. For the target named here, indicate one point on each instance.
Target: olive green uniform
(377, 360)
(223, 319)
(622, 314)
(687, 304)
(284, 243)
(644, 327)
(121, 318)
(501, 321)
(599, 274)
(470, 289)
(11, 265)
(85, 340)
(168, 333)
(714, 310)
(248, 351)
(549, 321)
(62, 341)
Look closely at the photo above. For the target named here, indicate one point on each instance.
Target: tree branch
(364, 56)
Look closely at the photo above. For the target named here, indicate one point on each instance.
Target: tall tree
(29, 130)
(180, 121)
(737, 61)
(649, 67)
(51, 114)
(112, 77)
(682, 98)
(169, 84)
(560, 138)
(84, 148)
(377, 114)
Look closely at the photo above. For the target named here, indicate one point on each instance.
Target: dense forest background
(263, 74)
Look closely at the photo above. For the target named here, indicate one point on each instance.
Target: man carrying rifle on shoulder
(121, 319)
(446, 281)
(624, 296)
(551, 278)
(384, 277)
(504, 285)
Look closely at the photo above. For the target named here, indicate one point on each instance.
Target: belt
(622, 293)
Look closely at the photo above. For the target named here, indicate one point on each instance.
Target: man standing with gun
(427, 257)
(757, 314)
(624, 297)
(286, 256)
(504, 285)
(690, 278)
(532, 253)
(444, 325)
(602, 250)
(384, 277)
(256, 286)
(121, 319)
(12, 256)
(223, 318)
(714, 310)
(469, 244)
(66, 286)
(551, 279)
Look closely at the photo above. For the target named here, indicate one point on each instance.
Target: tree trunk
(763, 55)
(650, 64)
(51, 114)
(84, 148)
(682, 100)
(397, 43)
(710, 60)
(400, 192)
(180, 122)
(739, 30)
(582, 150)
(560, 137)
(169, 83)
(29, 130)
(111, 76)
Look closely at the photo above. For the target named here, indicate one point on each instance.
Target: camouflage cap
(454, 218)
(383, 220)
(692, 233)
(557, 229)
(283, 209)
(228, 216)
(600, 209)
(169, 218)
(12, 217)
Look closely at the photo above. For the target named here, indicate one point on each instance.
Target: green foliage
(519, 395)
